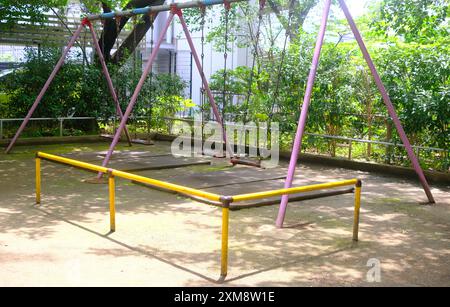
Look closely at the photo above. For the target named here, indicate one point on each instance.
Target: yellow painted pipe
(166, 185)
(38, 180)
(224, 257)
(210, 196)
(125, 175)
(357, 212)
(323, 186)
(84, 165)
(112, 201)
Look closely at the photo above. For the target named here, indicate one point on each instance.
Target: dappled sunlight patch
(7, 211)
(345, 273)
(272, 231)
(4, 162)
(336, 231)
(384, 217)
(430, 256)
(395, 265)
(393, 239)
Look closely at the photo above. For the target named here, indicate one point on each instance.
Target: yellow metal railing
(224, 200)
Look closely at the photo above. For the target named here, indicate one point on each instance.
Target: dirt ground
(167, 240)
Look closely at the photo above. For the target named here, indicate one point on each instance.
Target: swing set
(176, 9)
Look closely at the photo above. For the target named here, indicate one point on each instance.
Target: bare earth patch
(166, 240)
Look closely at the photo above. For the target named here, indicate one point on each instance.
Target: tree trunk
(298, 10)
(129, 45)
(112, 28)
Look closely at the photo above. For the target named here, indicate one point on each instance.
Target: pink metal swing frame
(176, 9)
(307, 100)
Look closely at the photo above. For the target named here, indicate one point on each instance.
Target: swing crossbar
(223, 201)
(159, 8)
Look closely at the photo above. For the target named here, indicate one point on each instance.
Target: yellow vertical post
(112, 208)
(357, 211)
(224, 258)
(38, 180)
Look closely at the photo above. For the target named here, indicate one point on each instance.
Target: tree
(112, 28)
(297, 11)
(415, 20)
(34, 10)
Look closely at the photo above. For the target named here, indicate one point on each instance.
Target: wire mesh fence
(352, 148)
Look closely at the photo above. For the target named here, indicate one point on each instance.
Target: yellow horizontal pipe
(195, 192)
(316, 187)
(125, 175)
(84, 165)
(166, 185)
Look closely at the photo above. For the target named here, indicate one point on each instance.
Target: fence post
(350, 143)
(1, 129)
(389, 148)
(60, 127)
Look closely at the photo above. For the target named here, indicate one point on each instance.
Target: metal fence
(139, 124)
(60, 121)
(422, 152)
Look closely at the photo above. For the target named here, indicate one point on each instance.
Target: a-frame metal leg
(137, 90)
(302, 122)
(45, 87)
(304, 114)
(205, 83)
(107, 76)
(387, 101)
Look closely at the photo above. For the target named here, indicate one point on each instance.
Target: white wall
(213, 60)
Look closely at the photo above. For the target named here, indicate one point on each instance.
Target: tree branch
(112, 30)
(71, 33)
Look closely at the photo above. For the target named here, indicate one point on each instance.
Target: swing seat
(142, 142)
(239, 161)
(134, 141)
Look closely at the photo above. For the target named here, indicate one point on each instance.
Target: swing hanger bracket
(85, 22)
(152, 15)
(227, 5)
(262, 4)
(202, 8)
(174, 9)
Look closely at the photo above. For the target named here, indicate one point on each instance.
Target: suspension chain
(280, 67)
(262, 4)
(225, 56)
(202, 56)
(117, 19)
(152, 17)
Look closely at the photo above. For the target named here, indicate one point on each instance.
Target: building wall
(213, 60)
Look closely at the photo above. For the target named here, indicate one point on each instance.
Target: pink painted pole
(304, 114)
(107, 76)
(205, 81)
(136, 92)
(388, 102)
(44, 88)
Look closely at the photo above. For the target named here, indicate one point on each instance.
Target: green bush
(81, 91)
